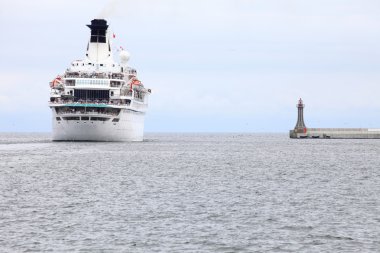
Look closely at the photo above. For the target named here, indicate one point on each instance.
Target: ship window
(111, 93)
(115, 120)
(101, 95)
(98, 35)
(101, 65)
(89, 63)
(102, 39)
(70, 82)
(58, 118)
(98, 39)
(85, 118)
(115, 83)
(71, 118)
(99, 119)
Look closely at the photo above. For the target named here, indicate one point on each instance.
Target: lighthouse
(300, 126)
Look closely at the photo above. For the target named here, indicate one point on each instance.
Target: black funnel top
(98, 30)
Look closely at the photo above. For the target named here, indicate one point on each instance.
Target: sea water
(189, 193)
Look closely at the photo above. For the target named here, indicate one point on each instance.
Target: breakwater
(336, 133)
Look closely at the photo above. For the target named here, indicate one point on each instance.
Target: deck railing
(86, 112)
(87, 103)
(101, 75)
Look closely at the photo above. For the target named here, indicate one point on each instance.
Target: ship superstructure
(98, 99)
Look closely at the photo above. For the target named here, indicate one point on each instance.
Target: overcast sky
(213, 65)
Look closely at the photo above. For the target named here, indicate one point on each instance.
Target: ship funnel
(98, 30)
(99, 48)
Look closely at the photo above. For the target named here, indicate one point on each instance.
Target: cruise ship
(98, 99)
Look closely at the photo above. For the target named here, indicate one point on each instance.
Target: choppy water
(189, 193)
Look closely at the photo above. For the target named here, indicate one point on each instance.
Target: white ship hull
(129, 128)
